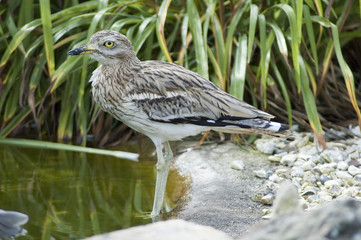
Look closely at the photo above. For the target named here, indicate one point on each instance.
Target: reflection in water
(71, 195)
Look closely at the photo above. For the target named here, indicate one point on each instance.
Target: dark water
(71, 195)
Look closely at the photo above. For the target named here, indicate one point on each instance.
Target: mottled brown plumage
(165, 101)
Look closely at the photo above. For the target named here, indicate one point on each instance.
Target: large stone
(11, 223)
(339, 220)
(168, 230)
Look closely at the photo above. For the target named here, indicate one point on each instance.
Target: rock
(268, 199)
(288, 160)
(273, 158)
(283, 172)
(332, 155)
(342, 166)
(297, 172)
(11, 224)
(327, 167)
(276, 179)
(354, 170)
(265, 145)
(324, 178)
(331, 183)
(302, 142)
(337, 220)
(260, 173)
(343, 175)
(355, 131)
(325, 196)
(286, 201)
(335, 190)
(309, 190)
(351, 192)
(176, 229)
(237, 165)
(308, 166)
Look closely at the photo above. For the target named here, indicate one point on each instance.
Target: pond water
(70, 195)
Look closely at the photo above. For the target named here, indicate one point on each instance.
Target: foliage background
(298, 60)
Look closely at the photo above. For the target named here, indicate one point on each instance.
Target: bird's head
(107, 47)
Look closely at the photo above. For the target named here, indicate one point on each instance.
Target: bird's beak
(86, 49)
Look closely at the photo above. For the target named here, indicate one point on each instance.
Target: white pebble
(265, 145)
(307, 166)
(327, 167)
(343, 175)
(353, 170)
(268, 199)
(276, 179)
(273, 158)
(288, 160)
(342, 166)
(237, 165)
(331, 183)
(332, 155)
(260, 173)
(297, 172)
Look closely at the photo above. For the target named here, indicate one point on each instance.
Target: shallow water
(71, 195)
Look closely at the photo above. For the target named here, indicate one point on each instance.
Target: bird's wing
(170, 93)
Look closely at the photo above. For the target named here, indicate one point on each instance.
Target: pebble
(324, 178)
(342, 166)
(237, 165)
(327, 167)
(276, 179)
(320, 176)
(268, 199)
(297, 172)
(332, 155)
(266, 146)
(288, 160)
(354, 170)
(330, 183)
(260, 173)
(343, 175)
(273, 158)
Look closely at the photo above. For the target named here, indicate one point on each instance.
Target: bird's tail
(254, 125)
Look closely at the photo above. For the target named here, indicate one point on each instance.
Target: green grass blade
(231, 30)
(281, 40)
(252, 30)
(162, 14)
(283, 87)
(184, 34)
(311, 36)
(238, 77)
(346, 71)
(17, 40)
(299, 15)
(200, 45)
(217, 69)
(67, 147)
(15, 121)
(294, 39)
(263, 49)
(48, 36)
(220, 49)
(145, 29)
(310, 105)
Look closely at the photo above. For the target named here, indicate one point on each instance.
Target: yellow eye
(109, 44)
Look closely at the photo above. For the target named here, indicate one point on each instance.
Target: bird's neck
(123, 63)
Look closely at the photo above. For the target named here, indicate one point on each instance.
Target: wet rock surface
(220, 194)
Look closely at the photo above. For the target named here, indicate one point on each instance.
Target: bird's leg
(163, 166)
